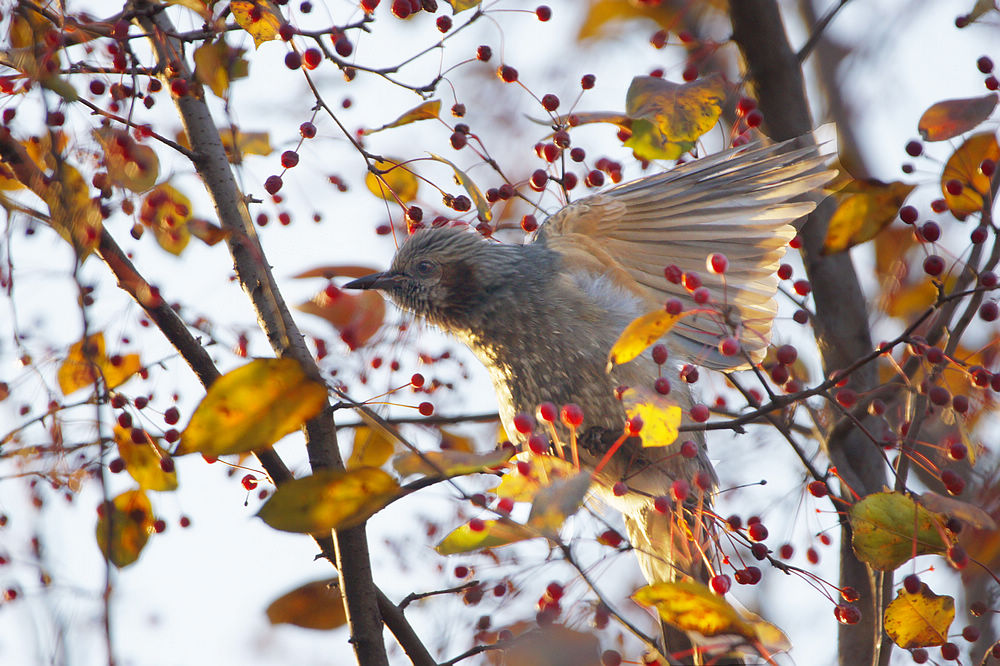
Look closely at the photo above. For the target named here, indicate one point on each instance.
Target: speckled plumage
(543, 316)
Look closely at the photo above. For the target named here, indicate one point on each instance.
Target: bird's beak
(383, 280)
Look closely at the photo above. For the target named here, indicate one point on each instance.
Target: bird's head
(445, 275)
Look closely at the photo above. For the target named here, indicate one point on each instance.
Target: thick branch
(841, 320)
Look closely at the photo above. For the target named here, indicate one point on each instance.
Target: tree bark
(841, 320)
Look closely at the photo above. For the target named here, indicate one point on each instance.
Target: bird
(542, 316)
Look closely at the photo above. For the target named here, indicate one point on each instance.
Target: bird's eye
(425, 268)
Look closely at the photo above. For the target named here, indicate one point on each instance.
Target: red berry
(507, 73)
(802, 287)
(933, 265)
(633, 426)
(171, 416)
(717, 263)
(610, 538)
(588, 81)
(307, 130)
(538, 444)
(402, 9)
(689, 449)
(912, 583)
(949, 651)
(477, 525)
(572, 415)
(786, 551)
(546, 412)
(539, 178)
(970, 634)
(313, 57)
(755, 118)
(178, 87)
(425, 409)
(550, 102)
(662, 504)
(847, 614)
(272, 184)
(701, 295)
(689, 373)
(729, 346)
(529, 223)
(914, 148)
(544, 13)
(757, 532)
(699, 413)
(679, 490)
(818, 489)
(908, 214)
(847, 398)
(745, 105)
(674, 306)
(787, 354)
(484, 53)
(523, 423)
(930, 231)
(167, 465)
(577, 154)
(939, 395)
(443, 23)
(619, 489)
(293, 60)
(720, 584)
(116, 466)
(660, 354)
(984, 64)
(289, 159)
(989, 311)
(249, 481)
(784, 271)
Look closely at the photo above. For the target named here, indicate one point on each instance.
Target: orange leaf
(206, 232)
(864, 209)
(426, 111)
(315, 605)
(131, 522)
(357, 316)
(329, 500)
(252, 407)
(668, 118)
(604, 17)
(260, 18)
(81, 369)
(964, 167)
(919, 620)
(946, 120)
(339, 270)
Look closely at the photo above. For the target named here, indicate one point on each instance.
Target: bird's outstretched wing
(740, 203)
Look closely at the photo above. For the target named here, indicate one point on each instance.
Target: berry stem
(607, 456)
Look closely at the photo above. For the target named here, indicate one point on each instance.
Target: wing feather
(741, 203)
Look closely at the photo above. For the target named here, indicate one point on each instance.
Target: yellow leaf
(426, 111)
(128, 520)
(237, 143)
(252, 407)
(206, 232)
(260, 18)
(482, 206)
(604, 15)
(946, 120)
(660, 418)
(640, 334)
(315, 605)
(889, 528)
(461, 5)
(668, 118)
(396, 182)
(329, 500)
(864, 209)
(371, 448)
(129, 163)
(542, 470)
(74, 214)
(81, 369)
(964, 166)
(142, 461)
(557, 501)
(217, 64)
(691, 606)
(448, 463)
(494, 533)
(911, 299)
(166, 211)
(919, 620)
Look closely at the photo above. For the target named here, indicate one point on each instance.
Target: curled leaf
(493, 533)
(426, 111)
(356, 316)
(889, 528)
(482, 206)
(142, 459)
(329, 500)
(919, 620)
(946, 120)
(252, 407)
